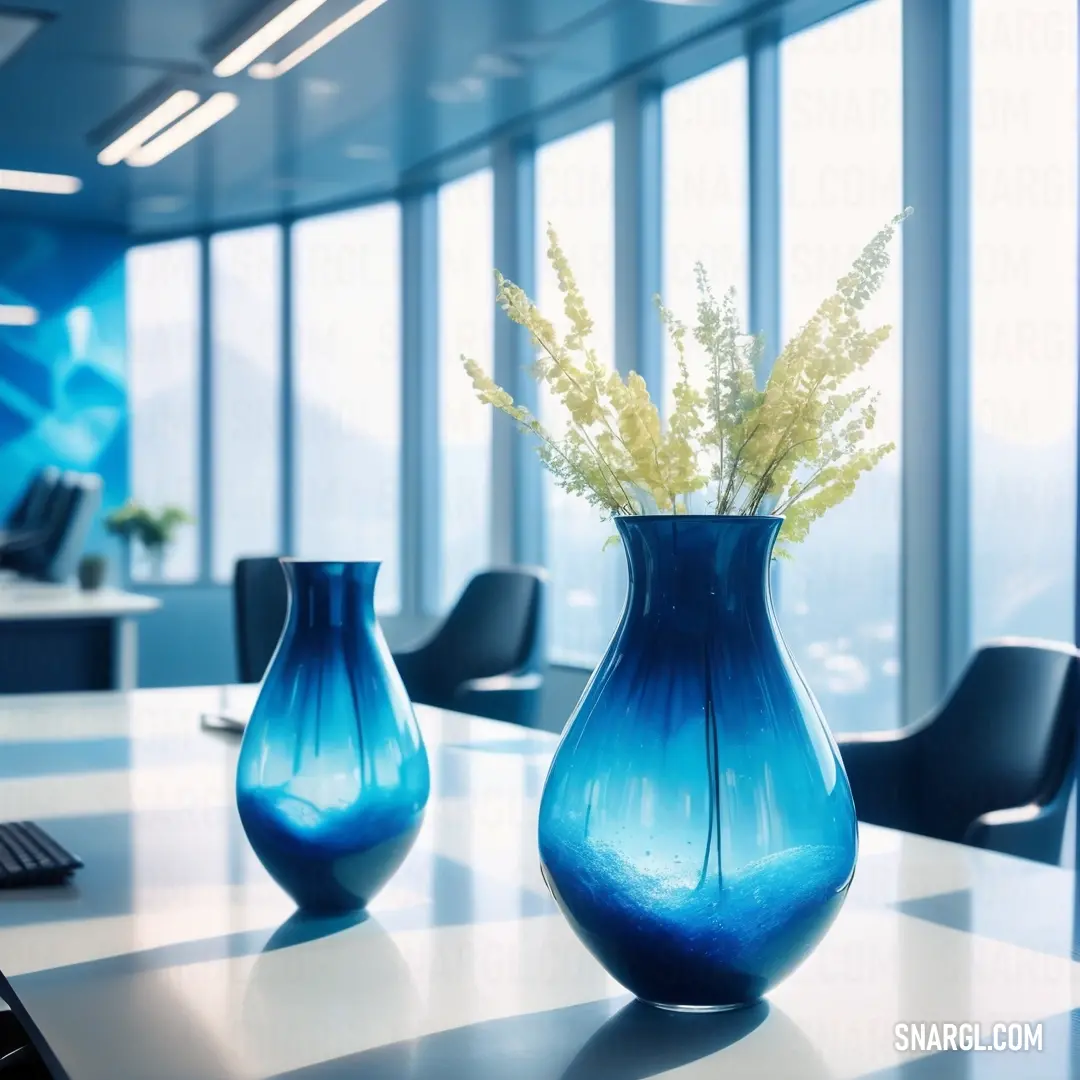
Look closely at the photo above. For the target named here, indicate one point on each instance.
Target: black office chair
(24, 525)
(487, 656)
(993, 767)
(63, 545)
(26, 512)
(67, 513)
(260, 605)
(484, 659)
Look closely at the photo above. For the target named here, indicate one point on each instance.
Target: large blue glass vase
(333, 775)
(696, 825)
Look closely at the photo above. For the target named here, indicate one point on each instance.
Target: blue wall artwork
(62, 381)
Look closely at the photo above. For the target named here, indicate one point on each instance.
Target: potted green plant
(154, 531)
(92, 571)
(696, 825)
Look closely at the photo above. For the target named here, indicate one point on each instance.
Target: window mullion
(516, 477)
(205, 417)
(763, 122)
(421, 530)
(934, 440)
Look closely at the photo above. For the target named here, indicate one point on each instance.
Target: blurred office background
(264, 328)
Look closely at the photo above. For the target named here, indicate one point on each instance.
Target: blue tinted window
(842, 180)
(347, 381)
(245, 275)
(163, 392)
(1023, 317)
(575, 191)
(466, 325)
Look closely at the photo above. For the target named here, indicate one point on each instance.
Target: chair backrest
(63, 545)
(260, 607)
(493, 629)
(1005, 736)
(66, 516)
(26, 514)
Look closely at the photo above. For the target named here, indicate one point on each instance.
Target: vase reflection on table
(696, 826)
(333, 775)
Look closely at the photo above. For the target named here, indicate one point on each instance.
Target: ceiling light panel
(318, 41)
(184, 130)
(39, 182)
(270, 33)
(17, 315)
(175, 106)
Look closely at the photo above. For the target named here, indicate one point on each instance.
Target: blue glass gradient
(333, 776)
(696, 826)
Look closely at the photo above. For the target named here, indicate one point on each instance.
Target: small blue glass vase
(696, 825)
(333, 775)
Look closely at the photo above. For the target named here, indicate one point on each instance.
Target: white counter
(54, 630)
(21, 600)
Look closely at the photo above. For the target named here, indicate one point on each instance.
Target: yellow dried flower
(793, 446)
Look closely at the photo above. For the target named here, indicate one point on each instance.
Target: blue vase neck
(331, 594)
(692, 563)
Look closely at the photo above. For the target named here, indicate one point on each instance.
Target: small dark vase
(91, 572)
(696, 825)
(333, 776)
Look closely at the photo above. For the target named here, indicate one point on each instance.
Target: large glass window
(1023, 317)
(347, 358)
(245, 279)
(706, 205)
(466, 311)
(842, 180)
(575, 193)
(163, 391)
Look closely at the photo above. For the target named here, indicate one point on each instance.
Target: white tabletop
(173, 954)
(22, 600)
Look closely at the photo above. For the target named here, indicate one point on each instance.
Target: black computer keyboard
(29, 856)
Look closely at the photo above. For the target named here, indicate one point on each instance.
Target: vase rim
(698, 517)
(293, 560)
